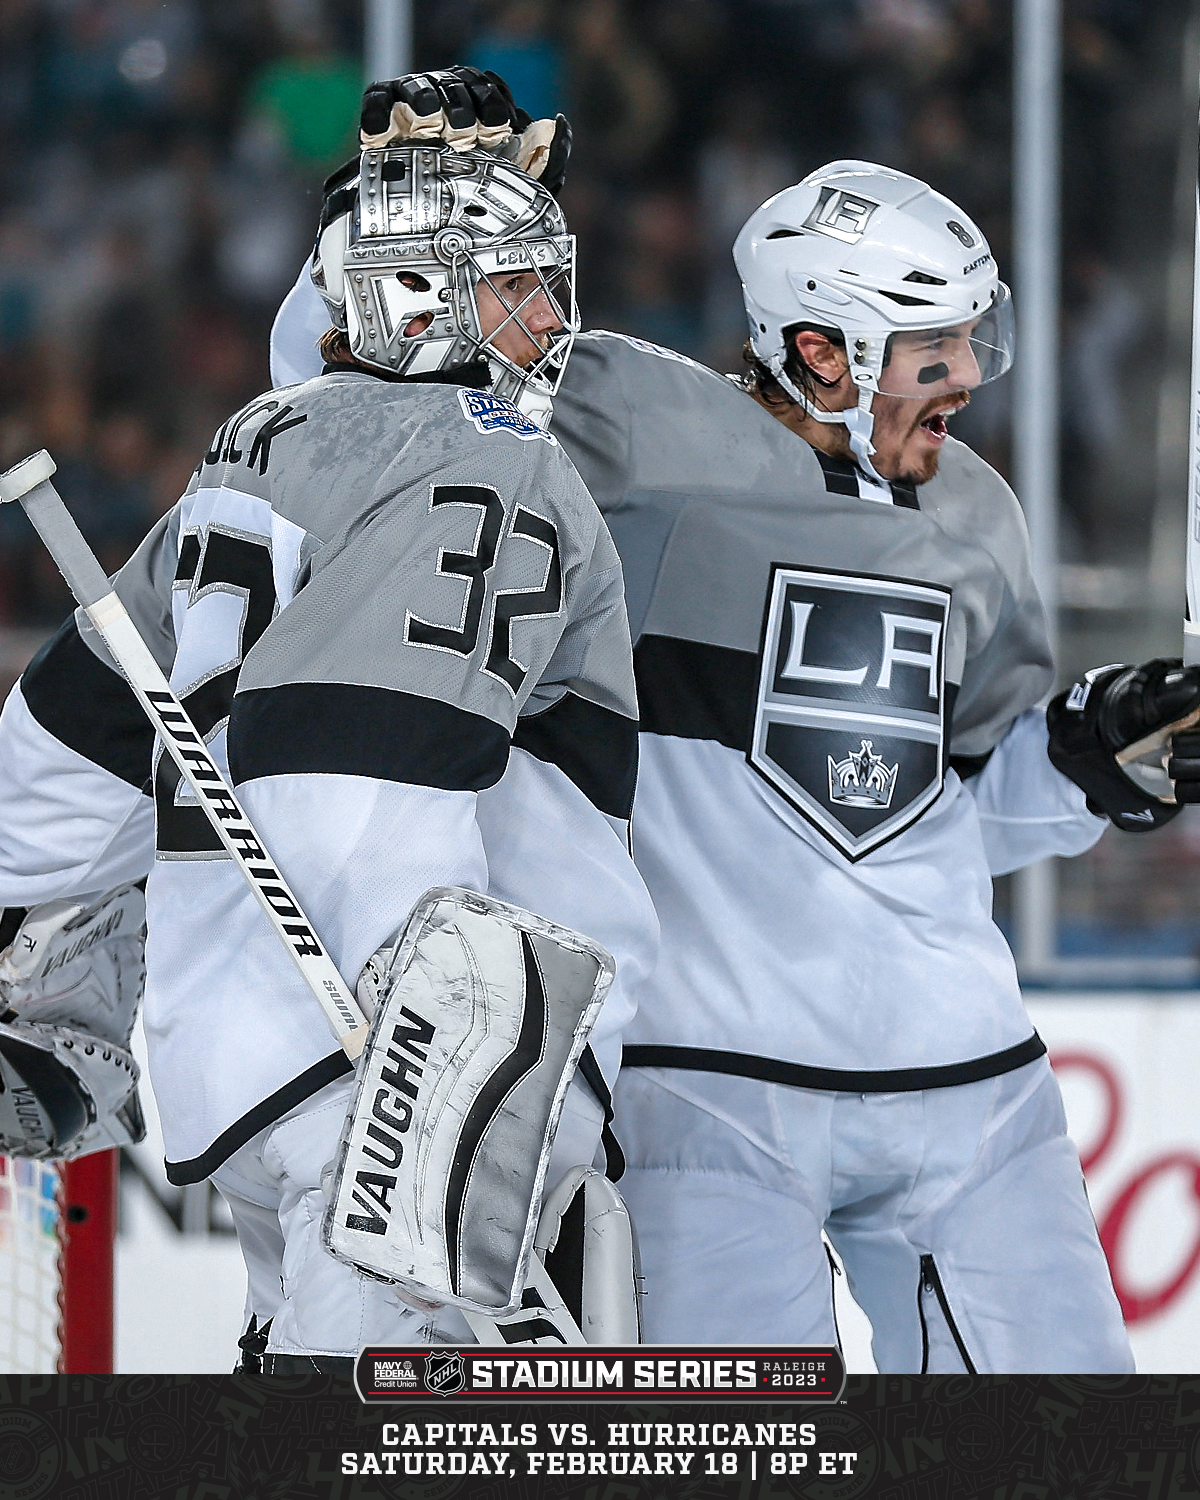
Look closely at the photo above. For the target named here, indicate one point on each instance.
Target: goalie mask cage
(57, 1226)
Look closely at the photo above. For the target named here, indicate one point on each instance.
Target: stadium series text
(708, 1448)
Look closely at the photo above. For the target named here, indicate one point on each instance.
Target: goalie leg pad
(440, 1170)
(586, 1240)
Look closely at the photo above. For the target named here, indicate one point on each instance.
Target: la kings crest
(849, 722)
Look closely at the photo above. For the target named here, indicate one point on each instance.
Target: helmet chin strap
(860, 423)
(859, 420)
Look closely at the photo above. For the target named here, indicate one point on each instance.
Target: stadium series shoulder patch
(497, 414)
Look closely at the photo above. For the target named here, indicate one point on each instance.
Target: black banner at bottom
(604, 1375)
(310, 1437)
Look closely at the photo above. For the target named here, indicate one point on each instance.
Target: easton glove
(1108, 710)
(466, 108)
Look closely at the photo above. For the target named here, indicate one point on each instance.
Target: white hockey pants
(959, 1213)
(317, 1305)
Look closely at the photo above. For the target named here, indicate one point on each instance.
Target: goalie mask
(903, 275)
(410, 233)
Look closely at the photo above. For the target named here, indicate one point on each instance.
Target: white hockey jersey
(819, 661)
(396, 616)
(841, 744)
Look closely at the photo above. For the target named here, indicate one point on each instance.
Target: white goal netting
(29, 1266)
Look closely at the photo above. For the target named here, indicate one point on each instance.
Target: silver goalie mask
(406, 243)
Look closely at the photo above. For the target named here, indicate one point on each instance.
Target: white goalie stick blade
(440, 1171)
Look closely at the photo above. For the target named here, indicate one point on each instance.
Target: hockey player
(840, 659)
(392, 609)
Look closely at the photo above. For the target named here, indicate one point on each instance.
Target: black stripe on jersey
(842, 477)
(595, 747)
(699, 692)
(302, 1087)
(189, 558)
(841, 474)
(614, 1157)
(799, 1075)
(89, 707)
(340, 729)
(695, 691)
(904, 495)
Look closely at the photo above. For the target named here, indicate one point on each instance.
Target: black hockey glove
(465, 108)
(1184, 765)
(1110, 709)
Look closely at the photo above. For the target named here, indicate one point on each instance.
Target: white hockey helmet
(405, 237)
(901, 272)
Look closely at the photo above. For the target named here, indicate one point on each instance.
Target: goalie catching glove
(467, 109)
(1121, 734)
(70, 984)
(479, 1024)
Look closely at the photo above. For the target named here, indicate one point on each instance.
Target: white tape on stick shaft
(77, 563)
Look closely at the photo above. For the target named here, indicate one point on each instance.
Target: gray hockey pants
(959, 1213)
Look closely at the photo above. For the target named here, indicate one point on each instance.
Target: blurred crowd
(161, 162)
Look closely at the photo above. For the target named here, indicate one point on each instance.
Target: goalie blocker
(483, 1017)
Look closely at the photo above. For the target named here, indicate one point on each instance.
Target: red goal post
(57, 1272)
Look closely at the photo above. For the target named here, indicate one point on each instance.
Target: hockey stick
(29, 482)
(1154, 750)
(1191, 619)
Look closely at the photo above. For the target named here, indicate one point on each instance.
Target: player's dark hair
(758, 380)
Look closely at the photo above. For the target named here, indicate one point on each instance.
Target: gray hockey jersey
(396, 616)
(821, 662)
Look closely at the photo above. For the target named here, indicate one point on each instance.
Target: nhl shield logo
(445, 1374)
(849, 721)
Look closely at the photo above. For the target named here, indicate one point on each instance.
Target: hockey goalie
(395, 618)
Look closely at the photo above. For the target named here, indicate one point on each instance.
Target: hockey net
(56, 1265)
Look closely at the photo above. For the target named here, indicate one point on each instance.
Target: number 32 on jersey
(228, 560)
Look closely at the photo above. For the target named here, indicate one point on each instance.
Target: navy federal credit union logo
(849, 722)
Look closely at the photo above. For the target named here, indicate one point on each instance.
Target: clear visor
(930, 362)
(524, 297)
